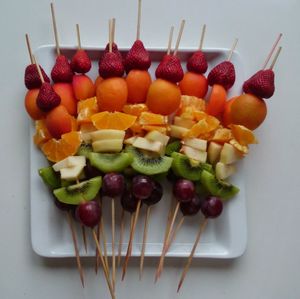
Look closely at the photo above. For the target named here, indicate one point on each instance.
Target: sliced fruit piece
(243, 135)
(194, 154)
(135, 109)
(111, 162)
(71, 173)
(83, 191)
(84, 150)
(218, 187)
(49, 177)
(196, 143)
(107, 134)
(243, 149)
(108, 145)
(214, 151)
(217, 100)
(223, 171)
(157, 136)
(203, 126)
(178, 132)
(145, 144)
(42, 134)
(229, 154)
(130, 140)
(148, 165)
(136, 128)
(161, 129)
(222, 135)
(148, 118)
(191, 102)
(198, 115)
(70, 161)
(182, 122)
(182, 167)
(172, 147)
(85, 109)
(85, 132)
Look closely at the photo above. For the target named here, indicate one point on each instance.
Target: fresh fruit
(31, 106)
(184, 190)
(113, 184)
(170, 69)
(61, 71)
(163, 97)
(81, 62)
(108, 146)
(242, 149)
(89, 213)
(70, 161)
(138, 83)
(111, 66)
(212, 207)
(183, 122)
(196, 143)
(223, 171)
(148, 118)
(142, 186)
(85, 131)
(80, 192)
(249, 111)
(71, 173)
(226, 120)
(129, 202)
(178, 132)
(83, 87)
(193, 84)
(112, 94)
(66, 93)
(107, 134)
(194, 154)
(261, 84)
(229, 154)
(47, 98)
(155, 196)
(213, 152)
(191, 207)
(222, 135)
(148, 165)
(31, 77)
(217, 100)
(157, 136)
(85, 109)
(58, 121)
(197, 63)
(135, 109)
(57, 150)
(243, 135)
(189, 105)
(163, 129)
(41, 133)
(137, 57)
(110, 162)
(203, 126)
(218, 187)
(145, 144)
(172, 147)
(84, 150)
(49, 177)
(222, 74)
(114, 50)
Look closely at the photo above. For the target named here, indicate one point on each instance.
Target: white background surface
(270, 266)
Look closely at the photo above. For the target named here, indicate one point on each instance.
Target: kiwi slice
(110, 162)
(50, 177)
(148, 165)
(182, 167)
(172, 147)
(217, 187)
(83, 191)
(84, 150)
(201, 190)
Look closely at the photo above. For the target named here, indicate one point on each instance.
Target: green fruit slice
(217, 187)
(148, 165)
(50, 177)
(84, 150)
(110, 162)
(182, 167)
(173, 147)
(83, 191)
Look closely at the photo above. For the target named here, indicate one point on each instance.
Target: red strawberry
(223, 74)
(47, 98)
(261, 84)
(62, 71)
(32, 79)
(81, 62)
(114, 50)
(170, 69)
(137, 57)
(111, 66)
(197, 63)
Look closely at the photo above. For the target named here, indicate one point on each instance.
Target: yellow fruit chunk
(243, 149)
(148, 118)
(85, 109)
(135, 109)
(203, 126)
(243, 135)
(222, 135)
(161, 129)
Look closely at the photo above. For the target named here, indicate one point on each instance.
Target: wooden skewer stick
(179, 37)
(38, 68)
(161, 260)
(202, 37)
(232, 49)
(272, 51)
(110, 35)
(138, 27)
(122, 225)
(187, 266)
(84, 237)
(113, 30)
(29, 48)
(102, 231)
(132, 231)
(105, 269)
(170, 40)
(275, 58)
(144, 240)
(78, 36)
(96, 254)
(113, 243)
(55, 29)
(80, 270)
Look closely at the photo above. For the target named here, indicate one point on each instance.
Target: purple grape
(191, 207)
(155, 196)
(129, 202)
(184, 190)
(142, 186)
(91, 171)
(212, 207)
(89, 213)
(113, 184)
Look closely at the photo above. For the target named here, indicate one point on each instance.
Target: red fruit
(114, 49)
(223, 74)
(111, 66)
(31, 77)
(81, 62)
(197, 63)
(62, 71)
(47, 98)
(261, 84)
(137, 57)
(170, 69)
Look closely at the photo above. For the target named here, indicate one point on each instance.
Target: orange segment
(115, 120)
(205, 125)
(136, 128)
(58, 149)
(191, 101)
(161, 129)
(222, 135)
(198, 115)
(243, 149)
(86, 109)
(41, 133)
(148, 118)
(243, 135)
(135, 109)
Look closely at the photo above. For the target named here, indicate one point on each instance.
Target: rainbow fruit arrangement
(122, 134)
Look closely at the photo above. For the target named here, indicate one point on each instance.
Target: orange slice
(198, 115)
(135, 109)
(137, 128)
(148, 118)
(41, 133)
(85, 109)
(222, 135)
(243, 135)
(161, 129)
(58, 149)
(243, 149)
(113, 120)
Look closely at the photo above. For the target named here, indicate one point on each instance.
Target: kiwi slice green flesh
(84, 150)
(50, 177)
(110, 162)
(148, 165)
(217, 187)
(172, 147)
(201, 190)
(83, 191)
(182, 167)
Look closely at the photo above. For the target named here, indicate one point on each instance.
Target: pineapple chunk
(229, 154)
(224, 171)
(157, 136)
(108, 145)
(214, 151)
(196, 143)
(178, 132)
(71, 161)
(194, 154)
(183, 122)
(145, 144)
(107, 134)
